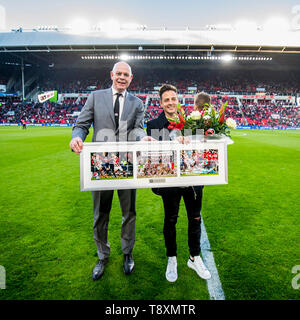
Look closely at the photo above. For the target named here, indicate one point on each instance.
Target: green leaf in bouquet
(213, 112)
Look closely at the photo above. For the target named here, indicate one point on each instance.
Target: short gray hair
(121, 62)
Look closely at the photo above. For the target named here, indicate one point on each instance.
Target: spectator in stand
(264, 112)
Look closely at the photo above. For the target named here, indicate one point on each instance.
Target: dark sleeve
(149, 127)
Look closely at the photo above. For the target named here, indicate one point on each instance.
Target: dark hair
(202, 98)
(166, 87)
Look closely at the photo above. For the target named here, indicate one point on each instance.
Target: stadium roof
(182, 48)
(151, 40)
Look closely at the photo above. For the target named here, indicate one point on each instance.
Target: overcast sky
(153, 13)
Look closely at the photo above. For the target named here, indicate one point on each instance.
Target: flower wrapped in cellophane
(209, 120)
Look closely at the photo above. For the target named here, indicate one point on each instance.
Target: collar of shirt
(114, 92)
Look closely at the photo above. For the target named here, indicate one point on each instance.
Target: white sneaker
(171, 272)
(199, 267)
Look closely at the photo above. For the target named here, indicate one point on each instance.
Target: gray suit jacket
(99, 111)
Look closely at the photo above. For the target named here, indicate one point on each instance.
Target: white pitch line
(240, 134)
(213, 284)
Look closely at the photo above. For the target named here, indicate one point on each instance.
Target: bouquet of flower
(211, 121)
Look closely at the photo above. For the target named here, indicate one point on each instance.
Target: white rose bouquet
(210, 120)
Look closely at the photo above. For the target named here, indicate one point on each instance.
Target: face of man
(169, 102)
(121, 76)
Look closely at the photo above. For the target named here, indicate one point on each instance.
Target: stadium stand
(269, 114)
(214, 83)
(277, 106)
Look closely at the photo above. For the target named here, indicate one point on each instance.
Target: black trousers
(192, 197)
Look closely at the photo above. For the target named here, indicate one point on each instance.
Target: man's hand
(76, 145)
(183, 140)
(148, 138)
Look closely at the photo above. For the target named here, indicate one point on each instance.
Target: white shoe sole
(190, 265)
(171, 280)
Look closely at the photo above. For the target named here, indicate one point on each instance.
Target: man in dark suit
(116, 115)
(158, 129)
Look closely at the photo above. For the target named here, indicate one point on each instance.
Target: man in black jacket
(158, 129)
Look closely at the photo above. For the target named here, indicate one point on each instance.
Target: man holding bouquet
(171, 196)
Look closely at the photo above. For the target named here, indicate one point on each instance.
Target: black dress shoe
(128, 263)
(99, 269)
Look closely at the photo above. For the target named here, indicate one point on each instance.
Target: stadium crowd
(248, 113)
(48, 112)
(271, 115)
(211, 81)
(211, 86)
(217, 83)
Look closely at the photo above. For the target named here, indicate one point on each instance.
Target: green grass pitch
(46, 239)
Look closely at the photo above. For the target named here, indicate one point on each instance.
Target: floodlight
(227, 58)
(276, 24)
(245, 25)
(130, 26)
(79, 26)
(124, 57)
(223, 26)
(109, 26)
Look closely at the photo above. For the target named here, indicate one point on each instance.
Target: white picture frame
(153, 164)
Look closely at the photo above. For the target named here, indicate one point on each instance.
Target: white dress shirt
(121, 100)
